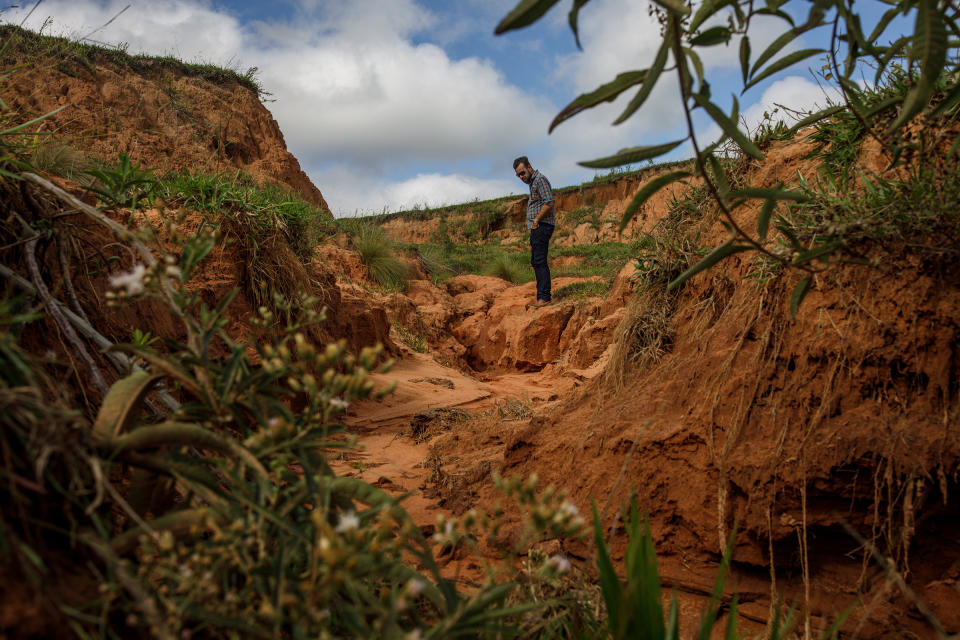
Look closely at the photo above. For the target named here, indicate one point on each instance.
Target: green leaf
(176, 522)
(930, 47)
(574, 14)
(525, 13)
(674, 6)
(704, 11)
(723, 185)
(653, 74)
(781, 64)
(884, 22)
(711, 37)
(24, 125)
(724, 250)
(745, 57)
(776, 194)
(799, 293)
(604, 93)
(783, 40)
(948, 103)
(609, 582)
(697, 63)
(172, 434)
(123, 403)
(763, 222)
(169, 368)
(818, 252)
(631, 155)
(729, 127)
(709, 617)
(647, 191)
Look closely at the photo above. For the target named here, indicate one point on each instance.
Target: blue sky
(390, 104)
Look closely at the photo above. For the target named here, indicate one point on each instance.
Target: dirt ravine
(786, 431)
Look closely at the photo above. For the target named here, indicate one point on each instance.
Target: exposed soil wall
(158, 114)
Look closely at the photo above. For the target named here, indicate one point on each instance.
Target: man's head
(521, 166)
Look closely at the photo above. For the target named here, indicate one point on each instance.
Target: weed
(124, 185)
(415, 341)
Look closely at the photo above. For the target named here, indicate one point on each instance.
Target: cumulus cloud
(368, 193)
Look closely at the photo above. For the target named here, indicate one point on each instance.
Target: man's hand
(534, 225)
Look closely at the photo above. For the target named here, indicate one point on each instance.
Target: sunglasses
(522, 173)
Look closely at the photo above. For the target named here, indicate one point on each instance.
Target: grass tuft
(509, 267)
(377, 252)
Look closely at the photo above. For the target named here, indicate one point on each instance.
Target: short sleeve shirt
(541, 194)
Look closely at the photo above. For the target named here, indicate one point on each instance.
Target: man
(540, 223)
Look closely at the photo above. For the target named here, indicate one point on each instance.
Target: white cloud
(795, 92)
(358, 192)
(375, 109)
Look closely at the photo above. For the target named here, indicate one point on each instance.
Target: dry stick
(57, 314)
(68, 281)
(891, 570)
(120, 361)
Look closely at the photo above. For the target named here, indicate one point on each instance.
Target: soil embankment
(788, 432)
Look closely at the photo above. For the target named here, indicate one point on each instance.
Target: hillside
(189, 447)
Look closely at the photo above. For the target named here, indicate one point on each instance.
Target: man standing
(540, 222)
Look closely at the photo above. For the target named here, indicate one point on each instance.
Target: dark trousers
(539, 241)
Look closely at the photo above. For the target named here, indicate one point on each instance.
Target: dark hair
(521, 160)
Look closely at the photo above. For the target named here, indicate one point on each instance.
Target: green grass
(445, 261)
(581, 290)
(604, 259)
(305, 224)
(511, 267)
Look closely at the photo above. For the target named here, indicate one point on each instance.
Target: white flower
(339, 403)
(570, 509)
(415, 587)
(560, 563)
(413, 635)
(348, 522)
(173, 271)
(131, 281)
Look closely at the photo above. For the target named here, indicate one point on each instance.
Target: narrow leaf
(704, 11)
(609, 582)
(781, 64)
(169, 368)
(121, 407)
(712, 36)
(775, 47)
(525, 13)
(930, 46)
(724, 250)
(818, 252)
(745, 57)
(605, 93)
(653, 74)
(763, 222)
(949, 101)
(729, 127)
(799, 293)
(573, 16)
(697, 62)
(631, 155)
(647, 191)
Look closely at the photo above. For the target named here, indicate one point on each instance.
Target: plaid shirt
(541, 194)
